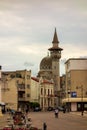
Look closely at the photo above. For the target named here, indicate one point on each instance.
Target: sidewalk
(80, 113)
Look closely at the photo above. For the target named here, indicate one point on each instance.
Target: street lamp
(81, 87)
(68, 100)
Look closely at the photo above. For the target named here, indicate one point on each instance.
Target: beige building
(62, 88)
(35, 90)
(16, 89)
(76, 84)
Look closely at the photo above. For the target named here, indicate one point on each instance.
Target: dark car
(50, 109)
(12, 111)
(60, 108)
(37, 109)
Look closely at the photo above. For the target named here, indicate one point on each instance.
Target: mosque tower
(55, 53)
(49, 67)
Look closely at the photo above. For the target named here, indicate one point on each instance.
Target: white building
(42, 92)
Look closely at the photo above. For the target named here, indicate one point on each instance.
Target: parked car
(60, 108)
(37, 109)
(12, 111)
(50, 109)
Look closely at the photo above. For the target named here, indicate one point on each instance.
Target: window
(28, 76)
(48, 91)
(18, 75)
(44, 101)
(28, 95)
(54, 67)
(28, 86)
(41, 91)
(51, 91)
(85, 105)
(44, 91)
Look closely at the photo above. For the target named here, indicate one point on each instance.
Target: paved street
(67, 121)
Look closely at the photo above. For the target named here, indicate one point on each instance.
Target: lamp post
(68, 100)
(81, 87)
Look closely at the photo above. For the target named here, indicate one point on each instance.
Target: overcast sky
(27, 29)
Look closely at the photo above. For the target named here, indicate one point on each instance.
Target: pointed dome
(55, 42)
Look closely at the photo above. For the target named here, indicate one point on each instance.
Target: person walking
(44, 126)
(56, 113)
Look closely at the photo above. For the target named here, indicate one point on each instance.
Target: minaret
(55, 52)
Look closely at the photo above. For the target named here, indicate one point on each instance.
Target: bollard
(44, 126)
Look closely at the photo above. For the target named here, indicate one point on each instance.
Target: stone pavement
(68, 121)
(3, 119)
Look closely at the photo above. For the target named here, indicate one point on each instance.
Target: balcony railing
(21, 89)
(21, 98)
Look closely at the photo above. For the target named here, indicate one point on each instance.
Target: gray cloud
(27, 29)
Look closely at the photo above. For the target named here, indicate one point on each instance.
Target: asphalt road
(65, 121)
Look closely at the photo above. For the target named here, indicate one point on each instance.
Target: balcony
(21, 87)
(21, 98)
(50, 95)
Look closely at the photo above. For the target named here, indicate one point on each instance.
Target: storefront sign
(73, 94)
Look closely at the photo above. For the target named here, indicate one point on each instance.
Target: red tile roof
(44, 81)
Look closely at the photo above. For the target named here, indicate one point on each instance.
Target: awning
(74, 100)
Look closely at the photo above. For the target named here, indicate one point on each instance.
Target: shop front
(75, 104)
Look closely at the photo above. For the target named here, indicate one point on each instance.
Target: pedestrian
(64, 109)
(44, 126)
(56, 113)
(26, 113)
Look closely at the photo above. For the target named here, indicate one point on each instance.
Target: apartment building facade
(76, 84)
(35, 91)
(15, 89)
